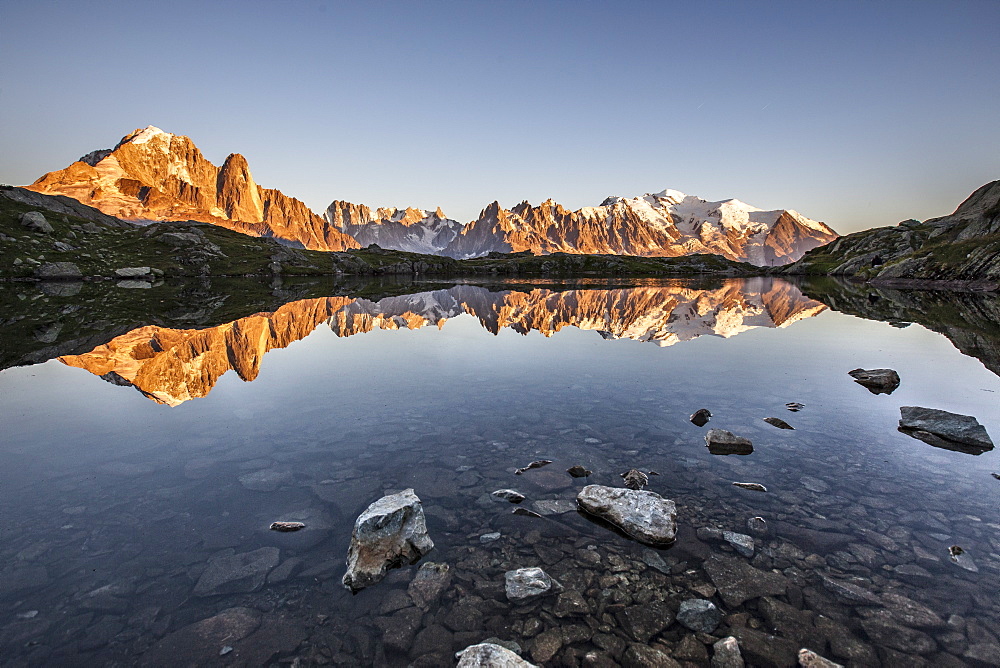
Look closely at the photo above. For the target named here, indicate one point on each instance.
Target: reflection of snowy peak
(668, 224)
(664, 315)
(171, 366)
(412, 230)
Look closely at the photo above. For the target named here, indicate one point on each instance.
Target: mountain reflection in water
(171, 366)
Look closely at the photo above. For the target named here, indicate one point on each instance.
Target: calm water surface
(138, 464)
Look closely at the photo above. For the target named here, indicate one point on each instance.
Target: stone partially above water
(877, 381)
(778, 422)
(643, 515)
(390, 533)
(527, 583)
(287, 526)
(701, 417)
(722, 442)
(489, 655)
(953, 427)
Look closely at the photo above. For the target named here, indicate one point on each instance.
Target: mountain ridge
(153, 175)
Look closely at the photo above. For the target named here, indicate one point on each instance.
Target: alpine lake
(141, 470)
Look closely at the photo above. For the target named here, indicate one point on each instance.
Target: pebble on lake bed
(754, 486)
(287, 526)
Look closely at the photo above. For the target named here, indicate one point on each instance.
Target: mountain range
(171, 366)
(152, 175)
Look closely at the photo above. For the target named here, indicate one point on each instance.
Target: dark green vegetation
(970, 320)
(71, 240)
(963, 248)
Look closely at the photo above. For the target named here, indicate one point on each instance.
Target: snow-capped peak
(147, 133)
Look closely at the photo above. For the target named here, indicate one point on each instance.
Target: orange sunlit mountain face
(172, 366)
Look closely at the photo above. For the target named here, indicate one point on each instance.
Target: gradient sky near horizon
(859, 114)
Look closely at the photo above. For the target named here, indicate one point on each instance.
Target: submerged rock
(742, 543)
(237, 573)
(877, 381)
(953, 428)
(511, 495)
(635, 479)
(525, 512)
(810, 659)
(699, 615)
(961, 558)
(726, 654)
(533, 465)
(757, 526)
(701, 417)
(431, 580)
(389, 533)
(753, 486)
(722, 442)
(738, 581)
(778, 422)
(578, 471)
(489, 655)
(794, 406)
(643, 515)
(527, 583)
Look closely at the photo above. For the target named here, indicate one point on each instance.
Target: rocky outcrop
(410, 230)
(643, 515)
(964, 246)
(665, 224)
(390, 533)
(155, 175)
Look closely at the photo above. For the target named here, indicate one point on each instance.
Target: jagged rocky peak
(155, 175)
(667, 224)
(410, 229)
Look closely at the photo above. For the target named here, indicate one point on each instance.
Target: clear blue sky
(857, 114)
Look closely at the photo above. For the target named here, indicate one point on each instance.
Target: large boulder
(390, 533)
(952, 427)
(35, 221)
(58, 270)
(643, 515)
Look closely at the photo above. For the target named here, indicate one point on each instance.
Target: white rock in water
(390, 533)
(643, 515)
(525, 583)
(488, 655)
